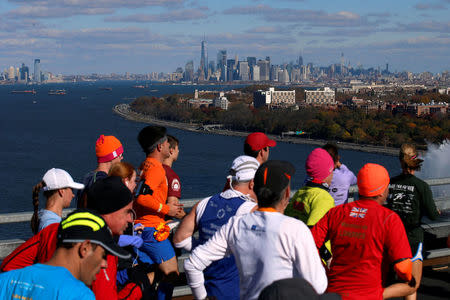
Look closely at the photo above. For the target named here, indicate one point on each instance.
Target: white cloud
(65, 8)
(171, 16)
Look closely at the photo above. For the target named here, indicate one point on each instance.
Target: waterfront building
(243, 71)
(24, 71)
(199, 102)
(221, 101)
(255, 73)
(296, 75)
(274, 72)
(211, 67)
(204, 60)
(273, 99)
(251, 61)
(283, 76)
(37, 70)
(11, 73)
(189, 71)
(264, 70)
(222, 64)
(175, 76)
(322, 96)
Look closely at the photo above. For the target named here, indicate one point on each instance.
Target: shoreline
(124, 111)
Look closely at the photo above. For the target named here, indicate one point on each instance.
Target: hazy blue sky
(140, 36)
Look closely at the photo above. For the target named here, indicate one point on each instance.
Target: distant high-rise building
(212, 66)
(189, 71)
(204, 60)
(274, 73)
(264, 70)
(231, 64)
(24, 71)
(251, 61)
(243, 71)
(300, 60)
(11, 73)
(256, 73)
(37, 70)
(387, 68)
(283, 76)
(222, 64)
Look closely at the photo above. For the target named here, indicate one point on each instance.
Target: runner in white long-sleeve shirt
(266, 244)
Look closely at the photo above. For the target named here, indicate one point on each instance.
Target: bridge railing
(439, 229)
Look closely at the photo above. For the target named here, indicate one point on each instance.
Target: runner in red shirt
(173, 180)
(363, 235)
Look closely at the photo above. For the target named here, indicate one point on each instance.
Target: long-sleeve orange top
(151, 206)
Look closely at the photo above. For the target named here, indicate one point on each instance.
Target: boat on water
(33, 92)
(57, 92)
(139, 86)
(105, 88)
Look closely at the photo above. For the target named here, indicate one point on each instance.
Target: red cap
(258, 141)
(373, 180)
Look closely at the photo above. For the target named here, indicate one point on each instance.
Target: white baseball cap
(243, 168)
(58, 179)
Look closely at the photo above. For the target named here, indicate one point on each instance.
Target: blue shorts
(152, 251)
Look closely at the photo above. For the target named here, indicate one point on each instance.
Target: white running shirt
(267, 246)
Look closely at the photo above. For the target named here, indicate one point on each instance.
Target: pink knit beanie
(319, 165)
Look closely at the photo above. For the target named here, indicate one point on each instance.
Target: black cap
(150, 135)
(273, 175)
(82, 225)
(293, 288)
(108, 195)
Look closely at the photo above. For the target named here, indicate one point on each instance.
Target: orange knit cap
(107, 148)
(373, 180)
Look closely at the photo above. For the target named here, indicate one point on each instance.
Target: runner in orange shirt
(151, 207)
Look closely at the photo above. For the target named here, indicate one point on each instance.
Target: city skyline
(141, 36)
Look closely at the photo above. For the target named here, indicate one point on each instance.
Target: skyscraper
(11, 73)
(251, 61)
(37, 70)
(204, 60)
(24, 73)
(189, 71)
(222, 64)
(243, 71)
(264, 70)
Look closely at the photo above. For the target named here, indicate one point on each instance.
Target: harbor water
(41, 131)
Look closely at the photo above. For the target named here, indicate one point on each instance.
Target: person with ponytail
(57, 185)
(411, 198)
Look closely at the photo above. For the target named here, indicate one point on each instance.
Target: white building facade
(273, 99)
(323, 96)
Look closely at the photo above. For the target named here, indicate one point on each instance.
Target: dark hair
(35, 196)
(249, 151)
(149, 137)
(332, 149)
(173, 141)
(268, 198)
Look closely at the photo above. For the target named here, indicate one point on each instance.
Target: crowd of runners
(251, 240)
